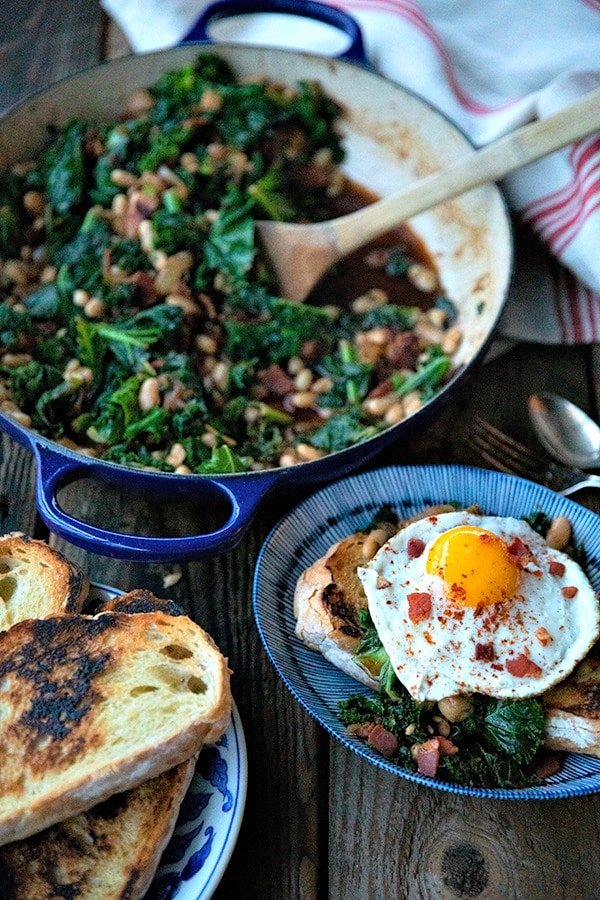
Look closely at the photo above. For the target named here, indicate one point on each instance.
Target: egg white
(436, 657)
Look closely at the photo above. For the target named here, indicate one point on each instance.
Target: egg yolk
(474, 565)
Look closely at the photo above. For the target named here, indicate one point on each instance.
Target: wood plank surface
(319, 821)
(44, 40)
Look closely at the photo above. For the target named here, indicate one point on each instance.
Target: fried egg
(465, 603)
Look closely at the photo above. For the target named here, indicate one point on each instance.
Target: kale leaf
(64, 170)
(428, 377)
(341, 431)
(230, 247)
(515, 727)
(351, 379)
(223, 460)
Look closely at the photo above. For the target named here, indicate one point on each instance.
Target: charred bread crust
(329, 595)
(141, 601)
(579, 694)
(573, 709)
(112, 850)
(326, 606)
(54, 673)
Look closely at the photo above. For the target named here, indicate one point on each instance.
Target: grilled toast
(111, 851)
(92, 706)
(37, 581)
(573, 710)
(327, 601)
(329, 597)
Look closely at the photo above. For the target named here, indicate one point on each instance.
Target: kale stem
(172, 201)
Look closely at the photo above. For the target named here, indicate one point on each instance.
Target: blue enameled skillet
(391, 137)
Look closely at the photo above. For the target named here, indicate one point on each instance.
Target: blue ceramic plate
(308, 531)
(210, 816)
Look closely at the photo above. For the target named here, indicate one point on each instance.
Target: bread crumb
(171, 578)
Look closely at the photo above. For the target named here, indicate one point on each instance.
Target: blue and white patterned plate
(210, 816)
(308, 531)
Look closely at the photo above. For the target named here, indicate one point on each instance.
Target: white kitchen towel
(490, 66)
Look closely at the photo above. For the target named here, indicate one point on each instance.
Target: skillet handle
(242, 493)
(309, 9)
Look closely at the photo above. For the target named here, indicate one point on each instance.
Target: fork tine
(499, 459)
(494, 463)
(506, 453)
(500, 439)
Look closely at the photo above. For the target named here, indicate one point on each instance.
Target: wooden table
(319, 821)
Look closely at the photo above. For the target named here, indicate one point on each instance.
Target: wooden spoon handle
(516, 149)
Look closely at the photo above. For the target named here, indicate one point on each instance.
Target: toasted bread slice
(37, 581)
(327, 601)
(92, 706)
(329, 597)
(110, 852)
(139, 601)
(573, 710)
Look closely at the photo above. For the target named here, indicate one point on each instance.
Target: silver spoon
(565, 430)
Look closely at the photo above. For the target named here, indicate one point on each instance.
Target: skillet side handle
(243, 495)
(309, 9)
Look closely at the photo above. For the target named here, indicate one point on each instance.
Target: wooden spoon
(300, 254)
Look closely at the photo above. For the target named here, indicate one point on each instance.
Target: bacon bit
(276, 381)
(362, 729)
(383, 740)
(383, 582)
(569, 592)
(478, 611)
(486, 538)
(447, 748)
(311, 350)
(556, 568)
(175, 398)
(428, 754)
(145, 285)
(140, 208)
(415, 547)
(93, 145)
(496, 667)
(381, 390)
(521, 667)
(428, 760)
(543, 636)
(485, 652)
(403, 350)
(419, 606)
(520, 553)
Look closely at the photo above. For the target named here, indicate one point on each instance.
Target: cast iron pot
(391, 138)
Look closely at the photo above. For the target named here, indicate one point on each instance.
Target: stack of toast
(329, 597)
(102, 718)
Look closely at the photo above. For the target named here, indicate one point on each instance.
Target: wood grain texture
(44, 40)
(423, 845)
